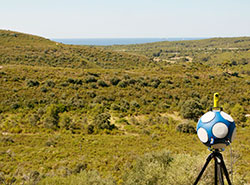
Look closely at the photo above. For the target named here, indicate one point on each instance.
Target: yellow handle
(216, 99)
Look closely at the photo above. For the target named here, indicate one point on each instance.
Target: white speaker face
(226, 116)
(209, 116)
(202, 134)
(220, 130)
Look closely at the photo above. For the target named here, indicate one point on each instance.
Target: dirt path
(121, 126)
(173, 60)
(174, 115)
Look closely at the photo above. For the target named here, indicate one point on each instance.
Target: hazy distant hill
(19, 48)
(201, 44)
(212, 51)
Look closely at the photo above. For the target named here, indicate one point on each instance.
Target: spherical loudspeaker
(216, 129)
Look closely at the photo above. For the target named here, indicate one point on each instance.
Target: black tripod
(219, 168)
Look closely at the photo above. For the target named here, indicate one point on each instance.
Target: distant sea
(119, 41)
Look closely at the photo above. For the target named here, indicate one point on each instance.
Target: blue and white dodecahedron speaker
(216, 129)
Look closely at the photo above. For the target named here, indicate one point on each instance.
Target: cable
(231, 160)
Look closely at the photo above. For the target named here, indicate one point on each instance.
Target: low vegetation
(96, 115)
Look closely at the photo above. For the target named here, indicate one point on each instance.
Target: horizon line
(207, 37)
(129, 37)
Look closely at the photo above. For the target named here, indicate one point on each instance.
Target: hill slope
(19, 48)
(60, 121)
(210, 51)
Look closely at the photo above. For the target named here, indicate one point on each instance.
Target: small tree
(32, 83)
(191, 109)
(115, 81)
(90, 129)
(52, 115)
(33, 119)
(102, 83)
(90, 79)
(186, 127)
(238, 113)
(122, 84)
(50, 83)
(64, 121)
(134, 104)
(102, 121)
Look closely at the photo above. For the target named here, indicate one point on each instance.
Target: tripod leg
(215, 170)
(221, 180)
(219, 170)
(204, 167)
(223, 166)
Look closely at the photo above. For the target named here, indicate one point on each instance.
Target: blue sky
(127, 18)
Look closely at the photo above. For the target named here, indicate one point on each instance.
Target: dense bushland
(19, 48)
(80, 114)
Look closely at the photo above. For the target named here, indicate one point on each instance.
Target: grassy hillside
(215, 51)
(123, 123)
(19, 48)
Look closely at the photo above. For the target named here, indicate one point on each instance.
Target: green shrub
(34, 177)
(51, 122)
(74, 81)
(90, 129)
(91, 94)
(15, 105)
(50, 83)
(94, 86)
(143, 83)
(80, 167)
(239, 114)
(64, 84)
(124, 106)
(122, 84)
(162, 168)
(7, 180)
(52, 115)
(115, 106)
(44, 89)
(102, 83)
(161, 119)
(169, 81)
(149, 169)
(90, 79)
(32, 83)
(186, 81)
(114, 81)
(78, 81)
(33, 119)
(186, 127)
(70, 80)
(132, 81)
(102, 121)
(7, 140)
(93, 74)
(155, 83)
(51, 142)
(64, 121)
(126, 77)
(191, 109)
(134, 104)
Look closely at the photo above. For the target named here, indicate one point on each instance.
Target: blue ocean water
(118, 41)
